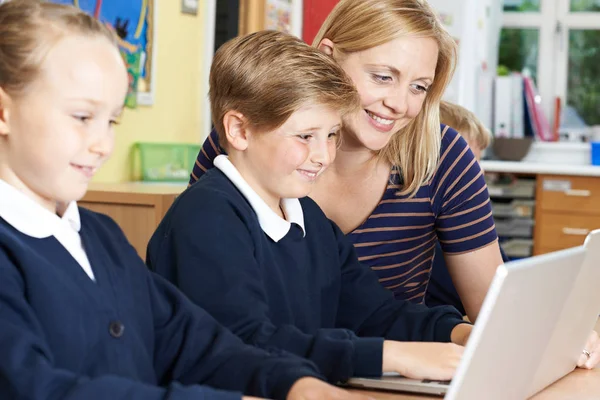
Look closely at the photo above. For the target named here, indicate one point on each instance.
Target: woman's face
(392, 80)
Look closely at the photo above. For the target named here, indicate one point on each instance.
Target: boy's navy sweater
(129, 335)
(307, 295)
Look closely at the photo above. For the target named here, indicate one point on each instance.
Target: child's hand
(314, 389)
(460, 334)
(422, 360)
(590, 359)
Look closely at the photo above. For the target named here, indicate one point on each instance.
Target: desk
(138, 208)
(580, 384)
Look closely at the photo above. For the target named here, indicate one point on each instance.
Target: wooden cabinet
(567, 209)
(137, 208)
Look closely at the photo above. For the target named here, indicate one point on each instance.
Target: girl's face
(392, 80)
(55, 137)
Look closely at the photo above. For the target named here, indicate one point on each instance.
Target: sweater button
(116, 329)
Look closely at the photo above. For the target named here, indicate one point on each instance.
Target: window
(558, 43)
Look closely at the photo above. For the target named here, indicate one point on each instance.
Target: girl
(80, 315)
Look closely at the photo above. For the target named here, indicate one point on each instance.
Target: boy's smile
(285, 162)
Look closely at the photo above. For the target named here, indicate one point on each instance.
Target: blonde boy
(246, 243)
(468, 125)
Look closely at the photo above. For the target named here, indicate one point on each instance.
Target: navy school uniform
(297, 286)
(127, 335)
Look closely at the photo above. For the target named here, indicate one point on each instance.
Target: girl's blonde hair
(357, 25)
(29, 29)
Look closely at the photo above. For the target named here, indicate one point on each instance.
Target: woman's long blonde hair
(357, 25)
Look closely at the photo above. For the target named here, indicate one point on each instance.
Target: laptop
(530, 332)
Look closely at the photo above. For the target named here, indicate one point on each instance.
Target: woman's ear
(4, 111)
(235, 130)
(326, 46)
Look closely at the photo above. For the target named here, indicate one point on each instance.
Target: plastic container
(517, 248)
(163, 162)
(514, 227)
(595, 153)
(516, 208)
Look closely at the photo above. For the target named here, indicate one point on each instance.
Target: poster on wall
(284, 15)
(134, 23)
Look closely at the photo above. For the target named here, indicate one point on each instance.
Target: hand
(593, 347)
(460, 334)
(314, 389)
(422, 360)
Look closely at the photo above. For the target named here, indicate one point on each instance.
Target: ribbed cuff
(443, 329)
(282, 383)
(368, 357)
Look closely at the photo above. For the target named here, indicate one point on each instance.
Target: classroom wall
(176, 115)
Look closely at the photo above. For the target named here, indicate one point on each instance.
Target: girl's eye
(332, 135)
(82, 118)
(305, 137)
(113, 122)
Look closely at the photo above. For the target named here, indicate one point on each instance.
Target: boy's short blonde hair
(466, 123)
(268, 75)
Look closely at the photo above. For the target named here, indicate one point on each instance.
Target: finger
(593, 360)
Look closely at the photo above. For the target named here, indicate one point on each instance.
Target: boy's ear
(326, 46)
(235, 130)
(4, 103)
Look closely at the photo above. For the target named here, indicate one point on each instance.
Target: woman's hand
(422, 360)
(590, 356)
(314, 389)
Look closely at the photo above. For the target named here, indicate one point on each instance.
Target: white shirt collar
(29, 217)
(270, 222)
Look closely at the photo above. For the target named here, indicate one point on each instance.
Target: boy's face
(61, 131)
(286, 162)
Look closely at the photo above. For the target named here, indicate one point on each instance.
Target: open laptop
(530, 331)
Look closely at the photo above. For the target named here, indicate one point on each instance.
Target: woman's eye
(305, 137)
(382, 78)
(421, 88)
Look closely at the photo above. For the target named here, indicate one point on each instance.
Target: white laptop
(530, 332)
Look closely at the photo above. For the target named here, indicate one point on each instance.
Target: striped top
(398, 239)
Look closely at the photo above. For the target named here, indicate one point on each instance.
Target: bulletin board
(134, 23)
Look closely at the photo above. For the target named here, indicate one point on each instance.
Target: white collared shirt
(32, 219)
(270, 222)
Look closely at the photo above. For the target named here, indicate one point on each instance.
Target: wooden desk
(137, 208)
(580, 384)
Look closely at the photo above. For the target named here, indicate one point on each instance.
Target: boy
(441, 290)
(245, 243)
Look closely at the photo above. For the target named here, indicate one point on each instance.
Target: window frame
(554, 21)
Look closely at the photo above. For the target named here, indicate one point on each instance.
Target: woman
(399, 183)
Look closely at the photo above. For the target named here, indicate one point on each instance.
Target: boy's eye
(332, 135)
(113, 122)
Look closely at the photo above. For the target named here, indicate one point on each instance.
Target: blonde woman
(400, 182)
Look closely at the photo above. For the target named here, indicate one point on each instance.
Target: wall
(176, 115)
(315, 13)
